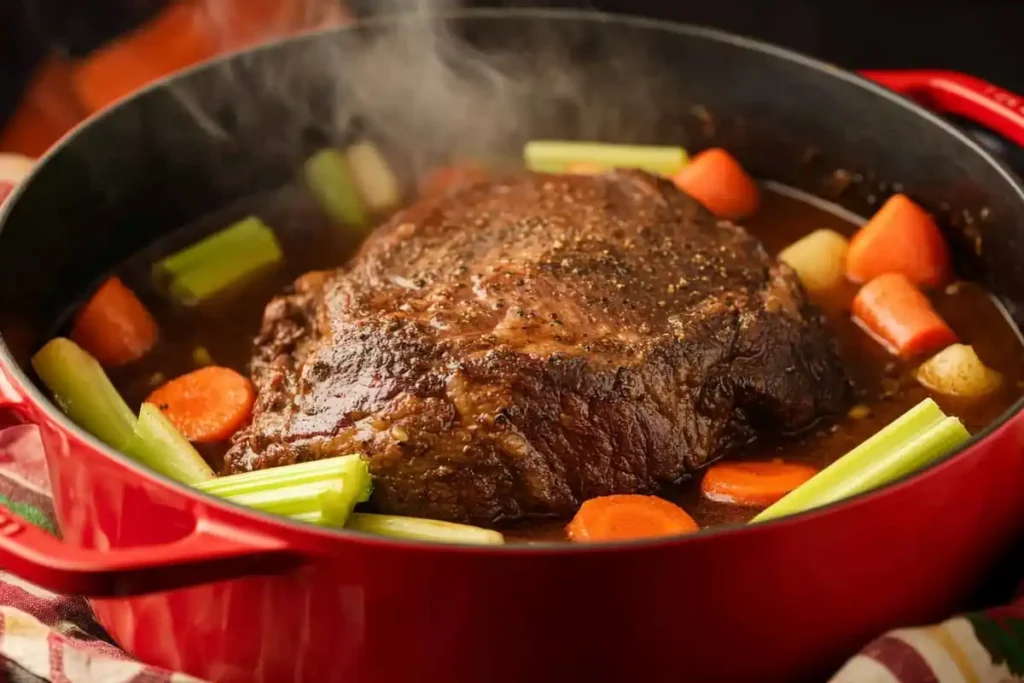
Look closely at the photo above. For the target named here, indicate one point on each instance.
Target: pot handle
(211, 551)
(951, 92)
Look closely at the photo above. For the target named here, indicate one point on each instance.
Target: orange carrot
(892, 309)
(48, 108)
(625, 517)
(753, 484)
(716, 180)
(114, 326)
(447, 178)
(175, 38)
(900, 238)
(207, 405)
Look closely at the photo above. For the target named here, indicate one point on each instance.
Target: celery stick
(284, 500)
(417, 529)
(553, 156)
(217, 262)
(411, 528)
(161, 447)
(83, 391)
(277, 477)
(201, 357)
(340, 498)
(311, 517)
(330, 180)
(292, 490)
(373, 177)
(917, 438)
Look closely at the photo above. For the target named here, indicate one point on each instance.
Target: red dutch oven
(185, 581)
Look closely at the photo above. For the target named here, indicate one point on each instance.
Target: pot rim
(231, 511)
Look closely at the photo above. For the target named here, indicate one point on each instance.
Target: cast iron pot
(187, 582)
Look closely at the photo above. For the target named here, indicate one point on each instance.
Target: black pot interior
(480, 85)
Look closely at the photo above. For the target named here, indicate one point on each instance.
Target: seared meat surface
(518, 346)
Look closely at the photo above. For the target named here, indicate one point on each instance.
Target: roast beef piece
(520, 345)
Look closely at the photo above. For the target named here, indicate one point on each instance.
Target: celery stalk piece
(915, 439)
(311, 517)
(416, 529)
(291, 490)
(217, 262)
(160, 446)
(287, 475)
(330, 180)
(341, 497)
(373, 177)
(411, 528)
(83, 391)
(285, 500)
(553, 156)
(201, 357)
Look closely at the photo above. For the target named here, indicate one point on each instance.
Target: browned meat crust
(523, 344)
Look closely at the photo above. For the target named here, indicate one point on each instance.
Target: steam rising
(420, 87)
(412, 82)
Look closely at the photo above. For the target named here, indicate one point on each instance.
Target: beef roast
(518, 346)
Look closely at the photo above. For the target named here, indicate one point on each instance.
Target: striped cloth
(49, 637)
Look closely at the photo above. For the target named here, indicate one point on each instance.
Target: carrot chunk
(716, 180)
(896, 312)
(900, 238)
(626, 517)
(753, 484)
(114, 326)
(207, 405)
(177, 37)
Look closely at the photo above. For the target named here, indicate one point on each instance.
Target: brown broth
(225, 327)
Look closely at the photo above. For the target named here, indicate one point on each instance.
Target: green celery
(310, 517)
(83, 391)
(201, 357)
(411, 528)
(914, 440)
(292, 490)
(160, 446)
(284, 500)
(554, 156)
(416, 529)
(331, 181)
(287, 475)
(219, 261)
(340, 498)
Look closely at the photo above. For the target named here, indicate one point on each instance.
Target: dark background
(985, 38)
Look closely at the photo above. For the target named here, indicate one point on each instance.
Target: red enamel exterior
(962, 95)
(360, 609)
(189, 583)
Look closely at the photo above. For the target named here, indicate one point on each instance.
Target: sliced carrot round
(753, 483)
(716, 180)
(627, 517)
(114, 326)
(207, 405)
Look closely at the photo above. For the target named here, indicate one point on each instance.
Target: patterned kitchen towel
(48, 637)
